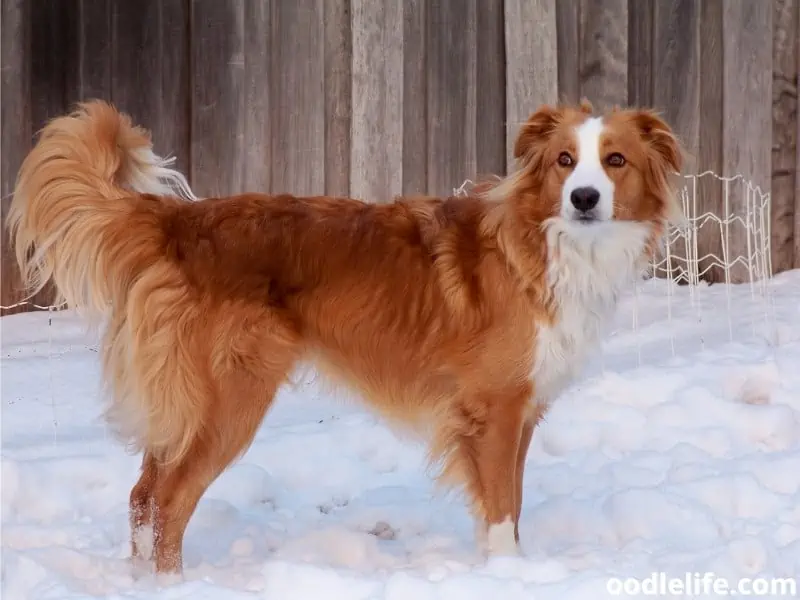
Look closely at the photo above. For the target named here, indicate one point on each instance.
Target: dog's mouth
(585, 218)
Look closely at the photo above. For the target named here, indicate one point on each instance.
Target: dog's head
(585, 170)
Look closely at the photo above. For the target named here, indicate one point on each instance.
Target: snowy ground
(678, 452)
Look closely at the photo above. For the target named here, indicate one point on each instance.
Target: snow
(677, 452)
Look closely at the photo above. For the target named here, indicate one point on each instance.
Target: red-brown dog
(460, 318)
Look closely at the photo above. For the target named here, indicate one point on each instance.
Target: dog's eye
(615, 160)
(565, 160)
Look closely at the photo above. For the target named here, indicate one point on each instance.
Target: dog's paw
(168, 579)
(501, 540)
(140, 567)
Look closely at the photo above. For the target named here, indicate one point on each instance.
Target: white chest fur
(588, 267)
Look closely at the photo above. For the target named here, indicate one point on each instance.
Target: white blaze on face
(589, 173)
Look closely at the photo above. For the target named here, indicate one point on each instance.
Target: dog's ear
(535, 130)
(660, 138)
(665, 160)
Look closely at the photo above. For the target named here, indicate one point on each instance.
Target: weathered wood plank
(568, 50)
(172, 134)
(376, 159)
(94, 50)
(747, 90)
(217, 97)
(784, 132)
(338, 95)
(52, 59)
(258, 76)
(709, 189)
(674, 49)
(17, 131)
(451, 42)
(415, 94)
(151, 53)
(604, 52)
(531, 62)
(797, 170)
(490, 85)
(640, 52)
(297, 93)
(297, 46)
(676, 60)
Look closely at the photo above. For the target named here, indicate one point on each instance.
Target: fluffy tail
(78, 183)
(78, 218)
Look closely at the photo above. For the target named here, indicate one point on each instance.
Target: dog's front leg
(494, 451)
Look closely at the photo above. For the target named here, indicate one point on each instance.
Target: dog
(459, 318)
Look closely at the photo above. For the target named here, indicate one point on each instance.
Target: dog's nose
(584, 198)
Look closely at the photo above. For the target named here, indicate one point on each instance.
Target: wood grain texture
(568, 50)
(415, 97)
(15, 133)
(676, 60)
(217, 97)
(51, 69)
(746, 106)
(531, 62)
(604, 52)
(452, 38)
(490, 81)
(674, 77)
(151, 53)
(709, 189)
(94, 50)
(258, 75)
(641, 14)
(784, 132)
(376, 159)
(54, 58)
(297, 93)
(338, 95)
(797, 170)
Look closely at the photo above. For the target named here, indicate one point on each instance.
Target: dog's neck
(587, 268)
(590, 264)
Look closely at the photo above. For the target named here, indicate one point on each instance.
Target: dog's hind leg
(141, 506)
(235, 415)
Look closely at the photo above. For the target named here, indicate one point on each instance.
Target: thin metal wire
(26, 303)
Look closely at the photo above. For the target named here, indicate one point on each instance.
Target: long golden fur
(450, 316)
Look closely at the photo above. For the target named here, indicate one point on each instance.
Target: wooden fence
(373, 98)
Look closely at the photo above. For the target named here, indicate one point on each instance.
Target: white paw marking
(144, 537)
(501, 540)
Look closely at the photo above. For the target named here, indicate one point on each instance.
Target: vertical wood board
(604, 52)
(151, 54)
(568, 48)
(16, 132)
(297, 95)
(490, 82)
(217, 97)
(415, 98)
(709, 190)
(784, 132)
(746, 110)
(338, 95)
(641, 14)
(531, 63)
(376, 159)
(258, 74)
